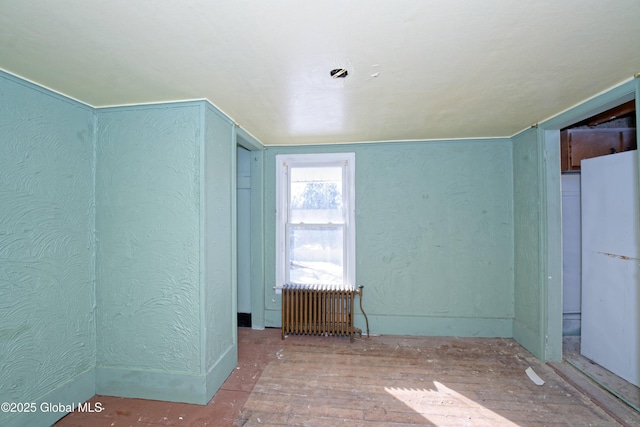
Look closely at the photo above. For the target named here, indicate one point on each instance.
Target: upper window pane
(316, 195)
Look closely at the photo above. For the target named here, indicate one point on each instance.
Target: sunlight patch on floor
(428, 402)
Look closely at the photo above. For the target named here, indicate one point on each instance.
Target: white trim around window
(334, 228)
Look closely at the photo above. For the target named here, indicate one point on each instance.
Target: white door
(610, 263)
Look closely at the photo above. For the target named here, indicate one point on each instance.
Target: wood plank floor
(623, 389)
(413, 381)
(380, 381)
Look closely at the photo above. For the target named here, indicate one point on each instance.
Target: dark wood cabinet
(578, 144)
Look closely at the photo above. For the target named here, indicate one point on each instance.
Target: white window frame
(283, 163)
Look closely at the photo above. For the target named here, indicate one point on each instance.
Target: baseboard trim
(171, 387)
(55, 404)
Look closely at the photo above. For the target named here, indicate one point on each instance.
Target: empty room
(319, 213)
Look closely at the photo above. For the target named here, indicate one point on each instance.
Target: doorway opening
(596, 313)
(610, 132)
(243, 233)
(249, 230)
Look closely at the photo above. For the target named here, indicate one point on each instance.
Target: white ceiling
(418, 69)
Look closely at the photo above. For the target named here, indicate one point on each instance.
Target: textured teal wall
(105, 211)
(47, 325)
(219, 248)
(147, 222)
(165, 275)
(527, 240)
(434, 236)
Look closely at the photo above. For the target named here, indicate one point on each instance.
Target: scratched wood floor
(412, 381)
(381, 381)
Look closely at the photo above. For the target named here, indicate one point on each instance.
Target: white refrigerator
(611, 263)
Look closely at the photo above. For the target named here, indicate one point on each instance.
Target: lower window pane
(316, 255)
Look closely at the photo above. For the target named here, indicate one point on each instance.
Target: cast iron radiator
(319, 310)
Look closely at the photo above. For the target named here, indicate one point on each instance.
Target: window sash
(316, 186)
(326, 261)
(285, 227)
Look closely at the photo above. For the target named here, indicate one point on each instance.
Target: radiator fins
(318, 310)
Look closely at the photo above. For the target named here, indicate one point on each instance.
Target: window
(315, 229)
